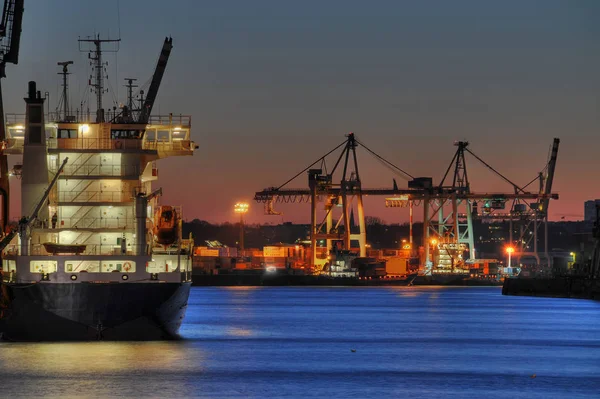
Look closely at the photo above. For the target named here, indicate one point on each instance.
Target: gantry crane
(321, 187)
(448, 216)
(450, 232)
(10, 39)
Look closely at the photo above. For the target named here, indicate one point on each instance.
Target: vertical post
(535, 239)
(313, 219)
(510, 230)
(455, 218)
(141, 210)
(241, 208)
(426, 230)
(440, 212)
(546, 238)
(410, 223)
(242, 232)
(346, 211)
(4, 182)
(362, 226)
(470, 229)
(329, 223)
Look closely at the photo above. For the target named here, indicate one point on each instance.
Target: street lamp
(241, 208)
(509, 251)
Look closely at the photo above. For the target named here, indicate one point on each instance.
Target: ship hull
(94, 311)
(554, 287)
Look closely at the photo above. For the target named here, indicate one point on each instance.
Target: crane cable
(386, 161)
(312, 164)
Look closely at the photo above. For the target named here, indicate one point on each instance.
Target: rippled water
(337, 343)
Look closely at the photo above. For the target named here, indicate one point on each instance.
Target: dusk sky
(273, 85)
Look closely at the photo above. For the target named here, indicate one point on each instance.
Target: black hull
(557, 287)
(90, 311)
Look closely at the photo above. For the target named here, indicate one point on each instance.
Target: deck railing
(94, 196)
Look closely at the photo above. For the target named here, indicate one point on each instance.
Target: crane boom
(550, 177)
(10, 26)
(161, 65)
(25, 222)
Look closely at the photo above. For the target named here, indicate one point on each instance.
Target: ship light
(84, 128)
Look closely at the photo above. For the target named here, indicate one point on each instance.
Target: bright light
(84, 128)
(271, 269)
(434, 241)
(510, 250)
(572, 253)
(241, 207)
(19, 127)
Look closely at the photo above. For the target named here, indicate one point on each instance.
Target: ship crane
(159, 71)
(25, 221)
(10, 39)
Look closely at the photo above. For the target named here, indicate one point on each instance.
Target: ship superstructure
(91, 254)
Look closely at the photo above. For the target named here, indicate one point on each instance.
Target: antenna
(95, 56)
(65, 93)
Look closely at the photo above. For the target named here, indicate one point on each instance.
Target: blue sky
(272, 85)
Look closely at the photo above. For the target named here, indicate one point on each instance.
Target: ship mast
(65, 93)
(96, 57)
(130, 87)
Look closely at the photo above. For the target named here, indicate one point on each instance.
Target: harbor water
(335, 342)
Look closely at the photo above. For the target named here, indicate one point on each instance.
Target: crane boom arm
(550, 177)
(36, 211)
(10, 26)
(25, 222)
(161, 65)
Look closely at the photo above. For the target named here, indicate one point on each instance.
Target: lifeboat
(166, 225)
(55, 249)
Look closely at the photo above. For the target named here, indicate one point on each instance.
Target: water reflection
(99, 357)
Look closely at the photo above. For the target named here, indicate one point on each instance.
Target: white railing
(99, 170)
(96, 223)
(94, 196)
(170, 119)
(91, 249)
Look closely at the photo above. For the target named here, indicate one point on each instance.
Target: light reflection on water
(298, 341)
(98, 357)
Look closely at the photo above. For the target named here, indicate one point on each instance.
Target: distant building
(589, 211)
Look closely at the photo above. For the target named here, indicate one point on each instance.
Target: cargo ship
(90, 259)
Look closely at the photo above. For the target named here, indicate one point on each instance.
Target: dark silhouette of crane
(10, 38)
(161, 65)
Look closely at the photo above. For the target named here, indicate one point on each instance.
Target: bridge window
(67, 133)
(42, 266)
(117, 134)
